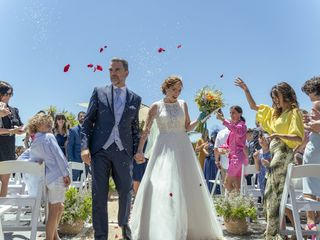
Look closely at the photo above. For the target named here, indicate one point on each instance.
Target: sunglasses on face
(9, 94)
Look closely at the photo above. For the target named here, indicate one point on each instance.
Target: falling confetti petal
(179, 46)
(90, 65)
(101, 49)
(200, 184)
(95, 69)
(99, 68)
(105, 46)
(170, 194)
(66, 68)
(160, 50)
(221, 76)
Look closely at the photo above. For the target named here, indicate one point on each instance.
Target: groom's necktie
(117, 99)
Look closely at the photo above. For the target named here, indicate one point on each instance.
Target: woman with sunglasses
(10, 124)
(60, 131)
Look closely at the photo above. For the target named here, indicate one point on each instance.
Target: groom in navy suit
(110, 138)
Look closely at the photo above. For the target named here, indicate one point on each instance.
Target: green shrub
(235, 206)
(77, 206)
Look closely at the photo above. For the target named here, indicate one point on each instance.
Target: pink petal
(90, 65)
(101, 49)
(99, 68)
(66, 68)
(179, 46)
(160, 50)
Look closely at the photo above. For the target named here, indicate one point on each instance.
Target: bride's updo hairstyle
(169, 82)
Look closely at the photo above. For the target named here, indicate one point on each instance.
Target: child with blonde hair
(45, 148)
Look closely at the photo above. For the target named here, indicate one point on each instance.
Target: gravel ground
(255, 229)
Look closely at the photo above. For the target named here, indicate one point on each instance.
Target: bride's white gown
(173, 202)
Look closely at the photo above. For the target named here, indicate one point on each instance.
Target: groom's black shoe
(126, 232)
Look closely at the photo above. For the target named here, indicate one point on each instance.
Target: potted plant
(77, 210)
(234, 209)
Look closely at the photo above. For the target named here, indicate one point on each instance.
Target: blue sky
(264, 42)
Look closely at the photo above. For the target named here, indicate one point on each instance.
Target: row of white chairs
(292, 197)
(20, 199)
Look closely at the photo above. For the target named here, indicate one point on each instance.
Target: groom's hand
(86, 157)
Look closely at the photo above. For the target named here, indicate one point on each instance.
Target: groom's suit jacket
(99, 121)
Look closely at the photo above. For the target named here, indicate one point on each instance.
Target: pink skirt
(235, 164)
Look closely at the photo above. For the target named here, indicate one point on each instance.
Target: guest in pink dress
(236, 143)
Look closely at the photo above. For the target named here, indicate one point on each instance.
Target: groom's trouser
(103, 162)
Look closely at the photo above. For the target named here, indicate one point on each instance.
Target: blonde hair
(169, 82)
(38, 120)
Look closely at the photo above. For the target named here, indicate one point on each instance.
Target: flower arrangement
(77, 206)
(208, 100)
(235, 208)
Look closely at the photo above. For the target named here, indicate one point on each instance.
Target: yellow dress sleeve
(264, 117)
(295, 128)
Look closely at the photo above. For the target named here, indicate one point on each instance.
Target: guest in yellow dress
(284, 122)
(201, 144)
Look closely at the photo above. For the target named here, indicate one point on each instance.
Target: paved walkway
(255, 229)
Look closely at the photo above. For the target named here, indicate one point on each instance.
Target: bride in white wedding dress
(173, 202)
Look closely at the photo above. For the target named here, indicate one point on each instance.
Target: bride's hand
(139, 157)
(220, 116)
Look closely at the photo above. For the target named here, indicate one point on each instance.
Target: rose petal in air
(221, 76)
(179, 46)
(66, 68)
(160, 50)
(95, 69)
(99, 68)
(170, 194)
(101, 49)
(90, 65)
(105, 46)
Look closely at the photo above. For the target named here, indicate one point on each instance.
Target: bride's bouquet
(209, 100)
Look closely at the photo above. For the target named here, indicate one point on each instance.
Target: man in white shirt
(221, 157)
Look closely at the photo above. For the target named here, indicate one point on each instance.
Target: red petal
(90, 65)
(170, 194)
(221, 76)
(99, 68)
(160, 50)
(66, 68)
(179, 46)
(95, 69)
(101, 49)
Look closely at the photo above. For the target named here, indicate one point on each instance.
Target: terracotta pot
(236, 226)
(71, 229)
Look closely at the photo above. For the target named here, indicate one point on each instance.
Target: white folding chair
(245, 189)
(81, 184)
(34, 169)
(217, 181)
(298, 204)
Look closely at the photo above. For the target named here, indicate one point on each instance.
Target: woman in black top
(10, 124)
